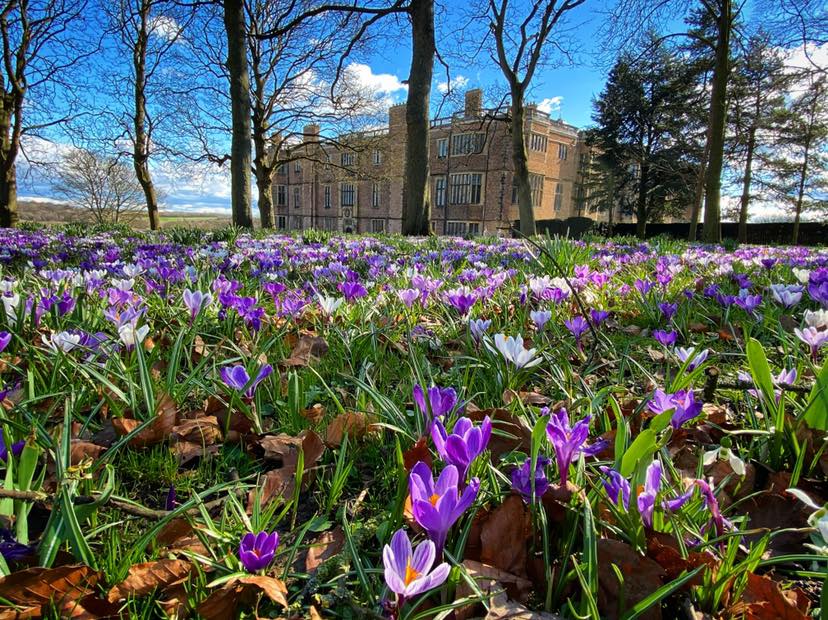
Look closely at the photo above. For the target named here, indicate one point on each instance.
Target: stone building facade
(356, 183)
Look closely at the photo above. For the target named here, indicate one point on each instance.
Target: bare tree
(148, 31)
(522, 32)
(101, 185)
(40, 45)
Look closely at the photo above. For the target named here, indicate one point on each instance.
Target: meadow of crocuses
(220, 425)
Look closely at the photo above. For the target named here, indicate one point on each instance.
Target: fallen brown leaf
(42, 586)
(416, 453)
(763, 599)
(509, 431)
(357, 425)
(306, 348)
(142, 579)
(314, 414)
(503, 537)
(204, 430)
(325, 547)
(642, 576)
(224, 602)
(157, 431)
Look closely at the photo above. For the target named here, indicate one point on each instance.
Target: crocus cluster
(464, 444)
(569, 441)
(435, 401)
(682, 402)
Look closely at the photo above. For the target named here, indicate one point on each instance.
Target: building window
(327, 223)
(558, 196)
(377, 226)
(348, 198)
(326, 196)
(455, 229)
(440, 191)
(296, 222)
(467, 143)
(474, 228)
(281, 195)
(348, 159)
(376, 195)
(465, 188)
(297, 166)
(281, 170)
(563, 151)
(536, 183)
(376, 157)
(537, 142)
(281, 222)
(583, 160)
(442, 148)
(297, 197)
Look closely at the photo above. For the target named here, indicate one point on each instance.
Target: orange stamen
(433, 499)
(410, 573)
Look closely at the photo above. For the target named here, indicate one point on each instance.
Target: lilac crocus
(683, 402)
(437, 506)
(785, 295)
(540, 318)
(256, 551)
(236, 377)
(408, 571)
(717, 520)
(478, 328)
(462, 299)
(646, 499)
(617, 487)
(352, 290)
(196, 301)
(569, 441)
(440, 401)
(408, 296)
(522, 477)
(813, 337)
(696, 357)
(464, 444)
(5, 339)
(665, 338)
(747, 302)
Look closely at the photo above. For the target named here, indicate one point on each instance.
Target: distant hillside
(48, 212)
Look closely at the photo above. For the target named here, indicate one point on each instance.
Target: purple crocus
(683, 402)
(408, 296)
(462, 299)
(10, 549)
(568, 441)
(578, 326)
(465, 443)
(617, 487)
(665, 338)
(599, 316)
(408, 571)
(522, 477)
(171, 500)
(786, 295)
(540, 318)
(668, 310)
(256, 551)
(436, 506)
(646, 500)
(747, 302)
(5, 339)
(196, 301)
(352, 290)
(479, 328)
(440, 401)
(717, 520)
(236, 377)
(16, 448)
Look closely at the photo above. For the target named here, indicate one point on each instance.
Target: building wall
(463, 164)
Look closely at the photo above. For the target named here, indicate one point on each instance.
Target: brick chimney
(310, 133)
(474, 103)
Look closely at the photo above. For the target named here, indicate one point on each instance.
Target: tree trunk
(417, 205)
(240, 156)
(8, 176)
(800, 197)
(264, 183)
(140, 148)
(641, 203)
(698, 196)
(520, 161)
(712, 231)
(743, 209)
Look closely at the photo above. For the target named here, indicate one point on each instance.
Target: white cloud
(164, 27)
(457, 83)
(551, 105)
(807, 57)
(363, 77)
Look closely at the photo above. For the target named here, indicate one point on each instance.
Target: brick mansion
(356, 185)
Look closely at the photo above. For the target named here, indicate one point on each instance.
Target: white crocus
(10, 305)
(123, 285)
(803, 275)
(329, 305)
(130, 335)
(816, 318)
(132, 270)
(512, 349)
(7, 286)
(61, 341)
(725, 454)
